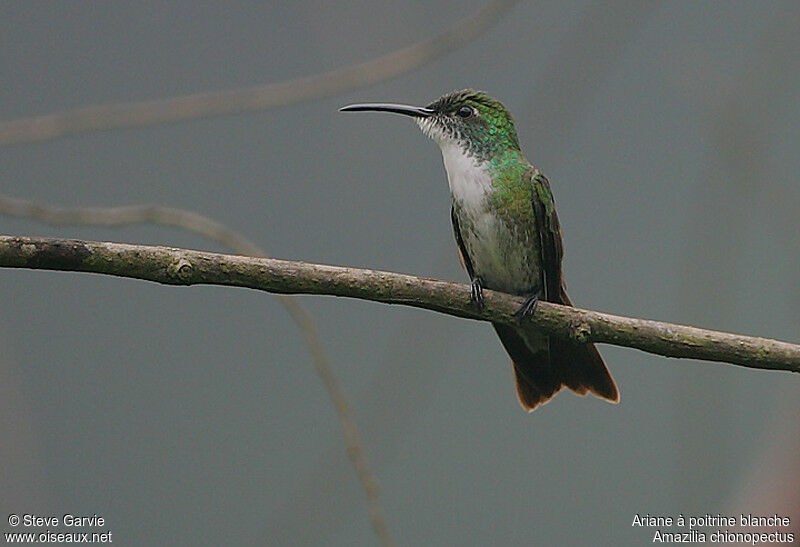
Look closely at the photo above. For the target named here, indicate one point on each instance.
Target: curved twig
(237, 242)
(185, 267)
(249, 99)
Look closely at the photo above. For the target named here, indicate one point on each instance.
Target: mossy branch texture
(186, 267)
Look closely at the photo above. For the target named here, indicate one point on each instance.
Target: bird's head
(472, 120)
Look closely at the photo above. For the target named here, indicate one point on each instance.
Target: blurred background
(669, 132)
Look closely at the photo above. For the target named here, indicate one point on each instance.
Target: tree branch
(249, 99)
(185, 267)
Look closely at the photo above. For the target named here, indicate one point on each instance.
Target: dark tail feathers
(541, 371)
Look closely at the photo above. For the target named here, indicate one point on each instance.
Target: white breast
(469, 181)
(497, 254)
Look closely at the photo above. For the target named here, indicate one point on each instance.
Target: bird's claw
(528, 307)
(476, 292)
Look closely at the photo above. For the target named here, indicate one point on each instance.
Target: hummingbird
(508, 236)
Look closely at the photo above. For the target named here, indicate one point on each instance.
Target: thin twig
(201, 105)
(237, 242)
(250, 99)
(186, 267)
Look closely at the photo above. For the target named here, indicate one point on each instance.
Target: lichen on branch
(186, 267)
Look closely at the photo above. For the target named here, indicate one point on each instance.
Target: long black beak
(413, 111)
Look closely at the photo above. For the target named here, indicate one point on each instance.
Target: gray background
(193, 416)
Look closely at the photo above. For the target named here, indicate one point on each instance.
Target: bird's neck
(473, 179)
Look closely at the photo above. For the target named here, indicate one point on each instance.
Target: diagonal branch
(185, 267)
(249, 99)
(237, 242)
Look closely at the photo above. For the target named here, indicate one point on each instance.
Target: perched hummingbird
(508, 236)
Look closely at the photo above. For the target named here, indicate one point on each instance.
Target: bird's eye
(465, 112)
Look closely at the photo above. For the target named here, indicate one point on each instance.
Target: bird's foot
(476, 293)
(528, 307)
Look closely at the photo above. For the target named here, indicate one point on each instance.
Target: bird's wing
(549, 233)
(462, 251)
